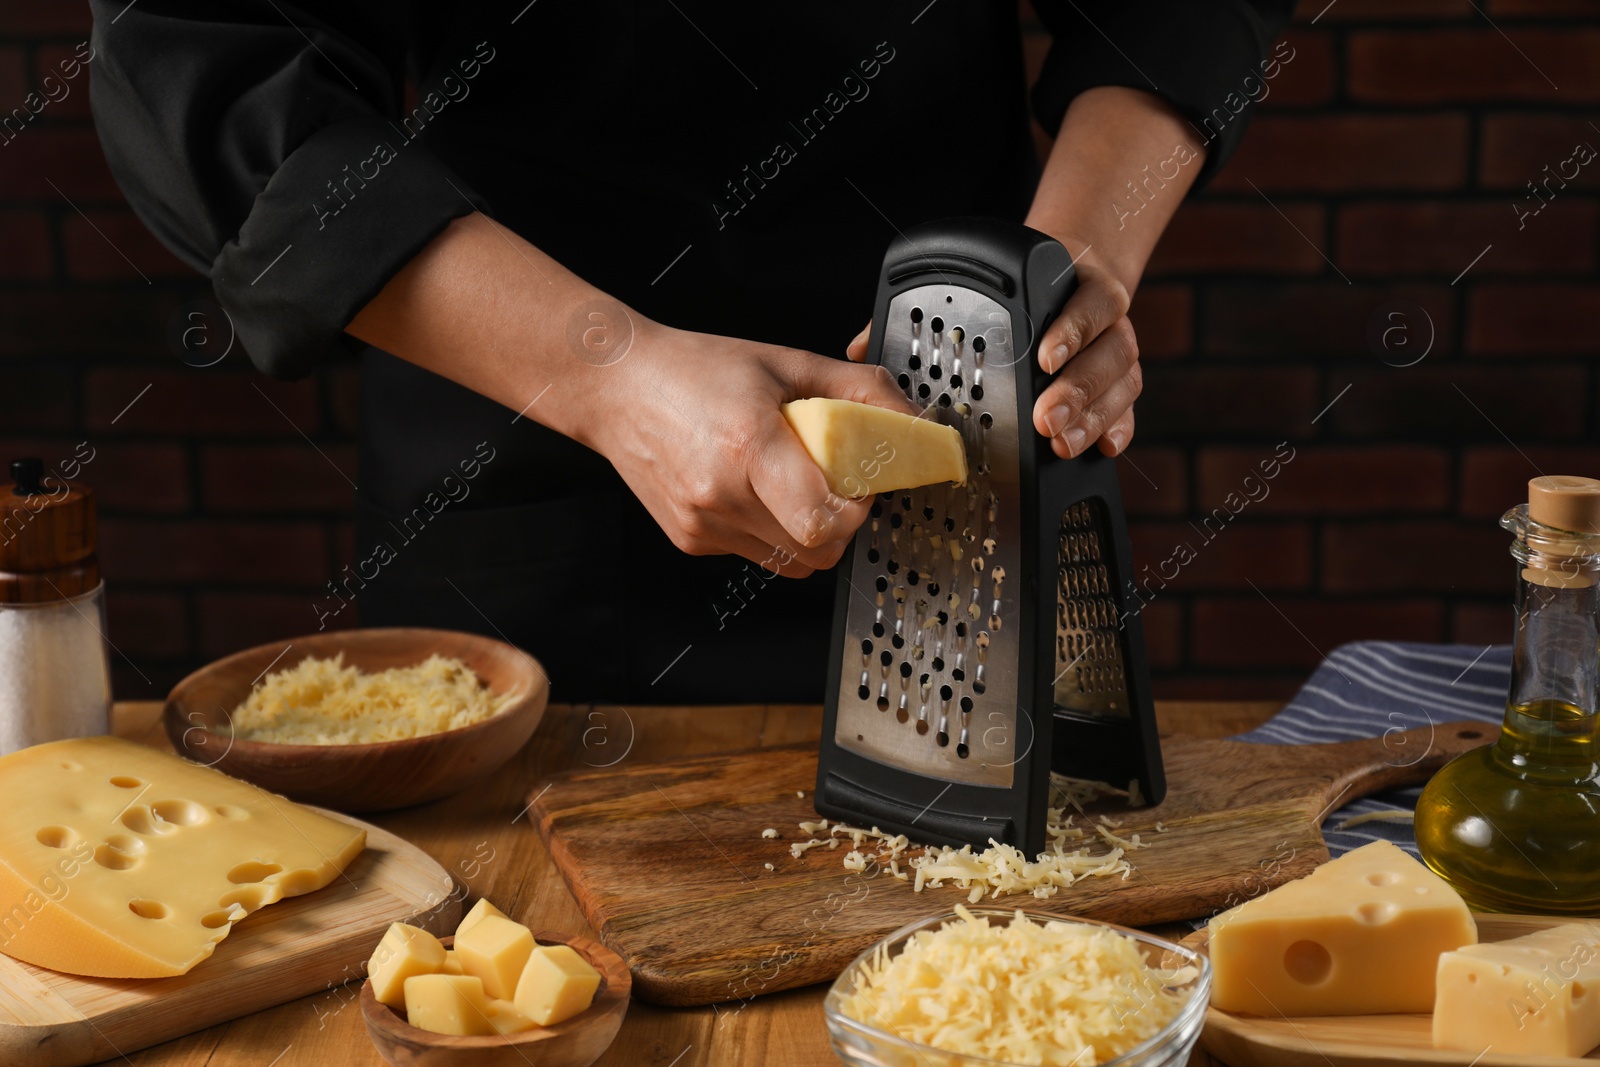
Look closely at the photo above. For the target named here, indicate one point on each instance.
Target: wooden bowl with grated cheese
(325, 719)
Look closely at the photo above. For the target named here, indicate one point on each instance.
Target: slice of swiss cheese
(864, 449)
(1360, 935)
(1535, 995)
(119, 861)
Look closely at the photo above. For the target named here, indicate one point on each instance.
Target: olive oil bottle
(1515, 826)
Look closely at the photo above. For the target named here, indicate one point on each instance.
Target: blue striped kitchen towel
(1366, 688)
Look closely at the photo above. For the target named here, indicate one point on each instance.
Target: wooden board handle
(1398, 758)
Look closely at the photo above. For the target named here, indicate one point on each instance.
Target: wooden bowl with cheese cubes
(495, 995)
(361, 720)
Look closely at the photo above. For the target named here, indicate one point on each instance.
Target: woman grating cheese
(1051, 994)
(323, 702)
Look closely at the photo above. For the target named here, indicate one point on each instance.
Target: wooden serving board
(300, 945)
(1363, 1040)
(667, 861)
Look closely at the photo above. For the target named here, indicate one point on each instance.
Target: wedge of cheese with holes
(118, 861)
(864, 449)
(1536, 995)
(1360, 935)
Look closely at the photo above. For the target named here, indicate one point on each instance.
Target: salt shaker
(55, 679)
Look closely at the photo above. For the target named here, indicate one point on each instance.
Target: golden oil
(1515, 826)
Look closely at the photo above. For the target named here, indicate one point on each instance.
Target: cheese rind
(556, 985)
(864, 449)
(448, 1004)
(405, 952)
(1360, 935)
(119, 861)
(495, 950)
(1536, 995)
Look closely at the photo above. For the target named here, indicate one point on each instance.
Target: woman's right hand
(696, 433)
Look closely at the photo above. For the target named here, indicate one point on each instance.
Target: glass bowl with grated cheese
(998, 987)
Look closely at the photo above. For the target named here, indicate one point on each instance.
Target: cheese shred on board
(1051, 994)
(323, 702)
(1072, 851)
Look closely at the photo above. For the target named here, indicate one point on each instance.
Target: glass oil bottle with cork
(1515, 826)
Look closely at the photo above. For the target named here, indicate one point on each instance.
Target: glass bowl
(861, 1045)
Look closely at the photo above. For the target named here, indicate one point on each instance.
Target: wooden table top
(483, 838)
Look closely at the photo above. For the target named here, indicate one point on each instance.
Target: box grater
(983, 633)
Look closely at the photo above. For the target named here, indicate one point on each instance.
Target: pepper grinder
(1515, 826)
(55, 678)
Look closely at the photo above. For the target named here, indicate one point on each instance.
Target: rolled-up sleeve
(1208, 58)
(264, 143)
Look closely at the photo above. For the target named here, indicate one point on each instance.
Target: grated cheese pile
(1052, 994)
(323, 702)
(1000, 869)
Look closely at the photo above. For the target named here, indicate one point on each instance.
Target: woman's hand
(1091, 350)
(698, 437)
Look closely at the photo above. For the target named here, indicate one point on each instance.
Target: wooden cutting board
(668, 863)
(301, 945)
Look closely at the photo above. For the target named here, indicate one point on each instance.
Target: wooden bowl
(577, 1042)
(369, 777)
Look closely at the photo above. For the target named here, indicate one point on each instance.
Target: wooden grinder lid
(47, 537)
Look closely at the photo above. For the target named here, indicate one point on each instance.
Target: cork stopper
(1565, 502)
(47, 536)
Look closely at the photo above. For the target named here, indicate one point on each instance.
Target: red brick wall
(1395, 142)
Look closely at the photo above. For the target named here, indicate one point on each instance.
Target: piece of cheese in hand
(119, 861)
(405, 952)
(496, 950)
(864, 449)
(1536, 995)
(479, 910)
(448, 1004)
(556, 985)
(1360, 935)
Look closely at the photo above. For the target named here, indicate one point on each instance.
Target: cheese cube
(448, 1004)
(495, 949)
(1537, 995)
(864, 449)
(452, 964)
(506, 1019)
(556, 985)
(1360, 935)
(118, 861)
(479, 910)
(404, 952)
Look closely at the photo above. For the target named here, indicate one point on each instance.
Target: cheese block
(480, 910)
(504, 1018)
(118, 861)
(1360, 935)
(864, 449)
(448, 1004)
(495, 949)
(405, 952)
(1537, 995)
(556, 985)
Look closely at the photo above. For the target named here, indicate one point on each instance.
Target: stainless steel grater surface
(983, 631)
(931, 600)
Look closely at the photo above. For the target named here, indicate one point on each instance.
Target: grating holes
(903, 715)
(893, 566)
(877, 629)
(882, 584)
(944, 400)
(958, 675)
(916, 314)
(955, 383)
(912, 577)
(923, 391)
(986, 420)
(938, 665)
(148, 909)
(915, 362)
(979, 688)
(877, 509)
(905, 669)
(938, 323)
(863, 693)
(949, 524)
(873, 555)
(979, 344)
(883, 703)
(944, 618)
(898, 641)
(945, 692)
(866, 646)
(922, 727)
(962, 750)
(904, 380)
(961, 629)
(943, 739)
(886, 659)
(977, 392)
(933, 588)
(925, 679)
(895, 520)
(927, 511)
(966, 705)
(935, 372)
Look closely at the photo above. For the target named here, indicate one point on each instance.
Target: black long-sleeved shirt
(717, 166)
